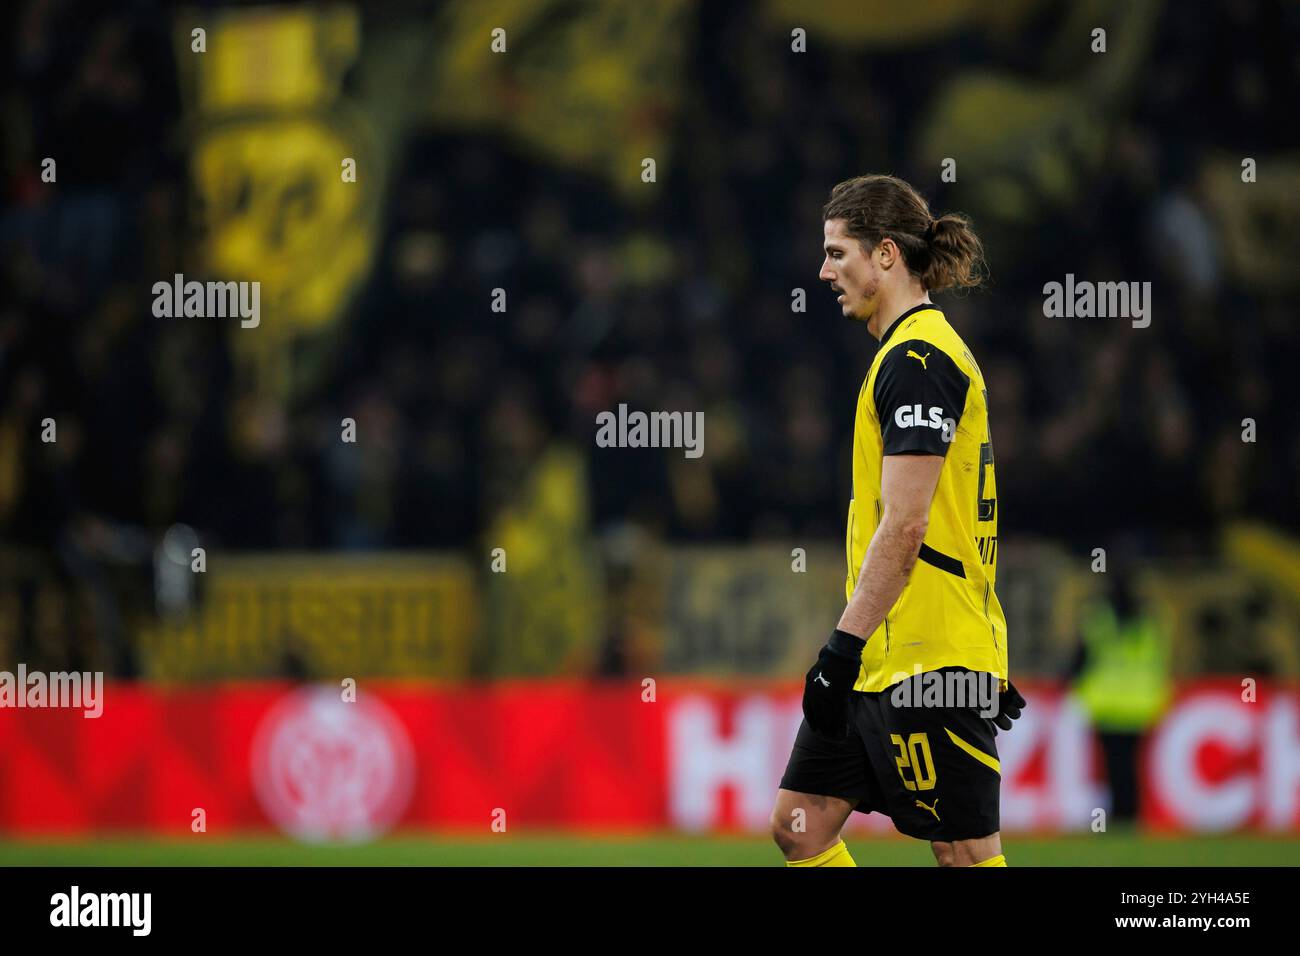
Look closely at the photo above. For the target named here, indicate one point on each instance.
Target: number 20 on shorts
(914, 755)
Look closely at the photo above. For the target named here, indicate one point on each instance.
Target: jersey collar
(899, 321)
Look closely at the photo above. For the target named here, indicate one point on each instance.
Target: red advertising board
(548, 754)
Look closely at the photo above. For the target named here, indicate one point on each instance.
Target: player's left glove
(1010, 703)
(829, 683)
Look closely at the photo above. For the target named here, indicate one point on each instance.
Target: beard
(866, 304)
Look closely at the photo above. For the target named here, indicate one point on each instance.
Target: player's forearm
(885, 569)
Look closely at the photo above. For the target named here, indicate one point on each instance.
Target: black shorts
(933, 770)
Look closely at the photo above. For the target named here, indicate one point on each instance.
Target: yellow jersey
(925, 394)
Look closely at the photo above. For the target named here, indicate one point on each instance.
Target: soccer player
(922, 558)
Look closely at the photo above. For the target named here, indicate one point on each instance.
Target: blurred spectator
(1124, 679)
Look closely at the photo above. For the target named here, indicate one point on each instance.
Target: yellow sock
(838, 855)
(999, 860)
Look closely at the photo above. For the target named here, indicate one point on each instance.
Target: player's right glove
(1010, 703)
(829, 683)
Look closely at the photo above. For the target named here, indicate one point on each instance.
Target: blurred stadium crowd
(680, 302)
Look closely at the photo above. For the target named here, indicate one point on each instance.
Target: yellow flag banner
(1260, 224)
(544, 595)
(754, 610)
(274, 149)
(590, 84)
(1020, 148)
(321, 616)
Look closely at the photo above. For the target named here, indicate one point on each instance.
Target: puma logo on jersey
(931, 808)
(920, 358)
(822, 680)
(909, 415)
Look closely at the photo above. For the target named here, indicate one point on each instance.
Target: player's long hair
(943, 253)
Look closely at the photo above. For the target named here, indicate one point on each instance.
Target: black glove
(1010, 704)
(827, 687)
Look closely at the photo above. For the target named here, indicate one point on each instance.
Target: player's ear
(888, 250)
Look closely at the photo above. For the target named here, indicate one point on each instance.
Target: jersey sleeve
(919, 388)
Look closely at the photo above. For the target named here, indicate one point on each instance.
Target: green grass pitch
(559, 849)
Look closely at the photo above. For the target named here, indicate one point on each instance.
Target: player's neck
(892, 306)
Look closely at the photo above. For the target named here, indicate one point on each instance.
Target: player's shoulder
(922, 328)
(929, 327)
